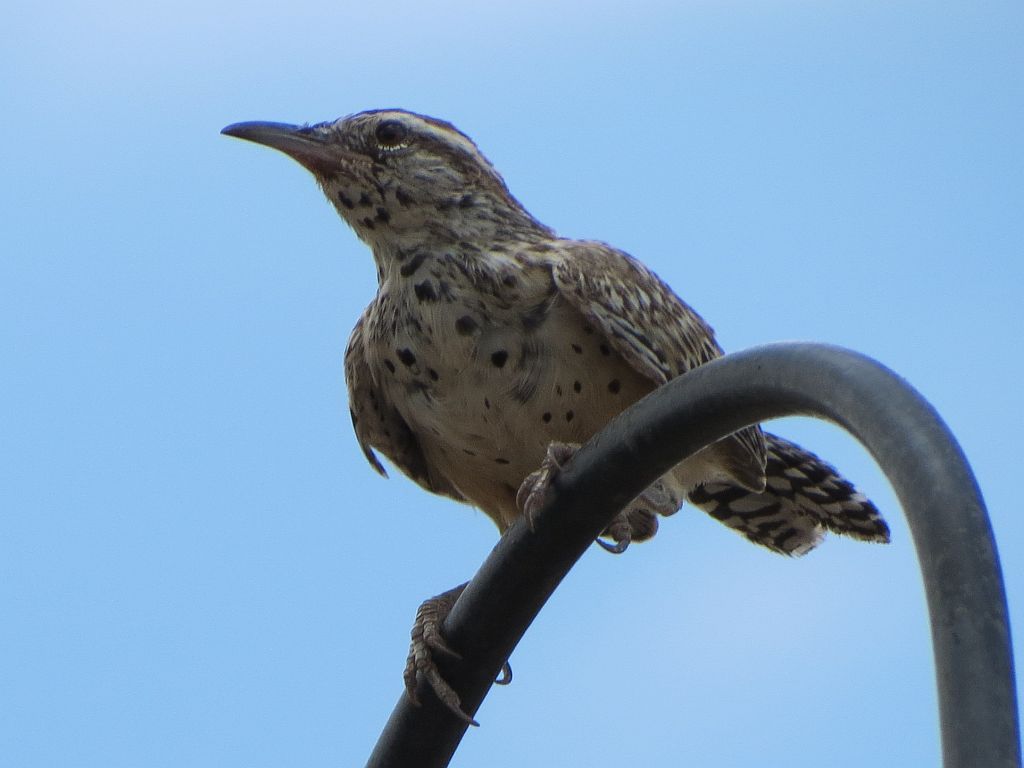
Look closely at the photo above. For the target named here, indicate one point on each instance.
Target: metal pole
(935, 485)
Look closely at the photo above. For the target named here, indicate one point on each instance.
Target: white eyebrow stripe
(450, 136)
(440, 131)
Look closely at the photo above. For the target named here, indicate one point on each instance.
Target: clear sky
(198, 568)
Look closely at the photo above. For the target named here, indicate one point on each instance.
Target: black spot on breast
(389, 365)
(468, 452)
(466, 201)
(501, 461)
(413, 264)
(432, 374)
(499, 358)
(605, 350)
(577, 349)
(425, 291)
(383, 216)
(576, 386)
(569, 415)
(365, 201)
(406, 357)
(346, 200)
(558, 389)
(367, 222)
(487, 404)
(509, 281)
(465, 325)
(403, 197)
(614, 386)
(546, 417)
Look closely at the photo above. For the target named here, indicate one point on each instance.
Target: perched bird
(494, 348)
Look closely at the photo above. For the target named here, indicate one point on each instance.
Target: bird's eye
(392, 134)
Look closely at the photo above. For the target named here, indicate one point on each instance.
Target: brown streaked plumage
(491, 339)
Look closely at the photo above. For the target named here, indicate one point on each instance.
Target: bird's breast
(487, 382)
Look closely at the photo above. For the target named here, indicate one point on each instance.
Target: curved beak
(301, 143)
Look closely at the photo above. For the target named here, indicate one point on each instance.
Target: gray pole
(935, 485)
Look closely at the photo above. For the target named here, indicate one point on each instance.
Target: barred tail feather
(804, 497)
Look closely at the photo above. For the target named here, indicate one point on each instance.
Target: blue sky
(198, 568)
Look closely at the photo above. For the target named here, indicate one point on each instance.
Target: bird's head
(399, 178)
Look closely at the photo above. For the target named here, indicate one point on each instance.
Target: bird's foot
(639, 520)
(620, 532)
(427, 642)
(631, 524)
(533, 491)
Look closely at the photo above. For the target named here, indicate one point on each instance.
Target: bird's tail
(804, 497)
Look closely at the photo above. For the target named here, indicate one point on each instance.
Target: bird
(494, 348)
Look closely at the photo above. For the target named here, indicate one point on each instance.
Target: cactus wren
(493, 348)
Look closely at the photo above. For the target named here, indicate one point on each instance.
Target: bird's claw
(638, 521)
(620, 531)
(616, 549)
(533, 490)
(427, 643)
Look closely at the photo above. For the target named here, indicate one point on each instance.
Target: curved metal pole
(935, 485)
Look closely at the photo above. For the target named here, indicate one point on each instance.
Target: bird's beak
(300, 143)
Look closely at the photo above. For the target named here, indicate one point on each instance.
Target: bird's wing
(379, 425)
(655, 331)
